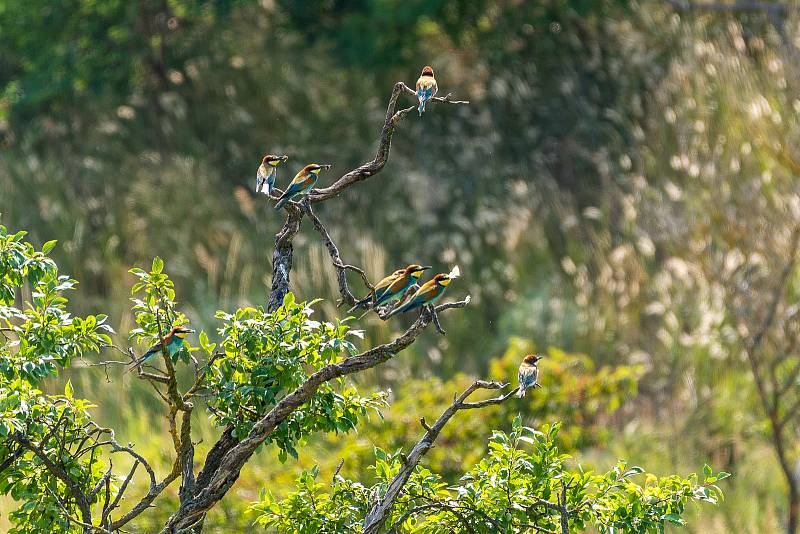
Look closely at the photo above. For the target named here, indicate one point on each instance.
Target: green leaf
(47, 247)
(68, 391)
(203, 339)
(707, 471)
(674, 518)
(158, 265)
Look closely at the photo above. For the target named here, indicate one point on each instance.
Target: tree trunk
(282, 258)
(794, 508)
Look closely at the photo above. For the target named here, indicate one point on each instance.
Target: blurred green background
(616, 161)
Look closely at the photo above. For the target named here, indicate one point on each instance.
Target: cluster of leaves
(59, 428)
(156, 313)
(264, 356)
(522, 484)
(311, 509)
(42, 335)
(36, 339)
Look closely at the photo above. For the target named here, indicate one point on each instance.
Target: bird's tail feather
(282, 202)
(361, 304)
(134, 365)
(521, 392)
(421, 107)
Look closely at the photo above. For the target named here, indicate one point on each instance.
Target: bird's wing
(384, 286)
(387, 280)
(398, 284)
(429, 91)
(261, 178)
(154, 349)
(424, 294)
(426, 88)
(422, 89)
(527, 375)
(301, 178)
(293, 189)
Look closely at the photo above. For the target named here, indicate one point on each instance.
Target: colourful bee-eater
(428, 293)
(528, 374)
(174, 341)
(393, 286)
(426, 87)
(302, 183)
(268, 172)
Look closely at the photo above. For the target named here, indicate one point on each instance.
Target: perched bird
(302, 183)
(174, 341)
(528, 374)
(393, 286)
(426, 87)
(268, 172)
(428, 293)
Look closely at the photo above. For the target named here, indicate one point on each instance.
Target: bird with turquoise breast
(426, 88)
(427, 294)
(393, 286)
(302, 183)
(528, 374)
(173, 341)
(268, 172)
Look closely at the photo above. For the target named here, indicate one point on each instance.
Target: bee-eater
(528, 374)
(428, 293)
(302, 183)
(268, 172)
(393, 286)
(174, 341)
(426, 87)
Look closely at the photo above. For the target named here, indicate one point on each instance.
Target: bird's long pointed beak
(326, 167)
(189, 331)
(426, 267)
(284, 158)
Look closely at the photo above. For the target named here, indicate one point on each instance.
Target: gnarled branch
(233, 460)
(373, 167)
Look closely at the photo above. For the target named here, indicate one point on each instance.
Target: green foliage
(41, 420)
(268, 355)
(40, 336)
(36, 339)
(310, 510)
(156, 313)
(522, 484)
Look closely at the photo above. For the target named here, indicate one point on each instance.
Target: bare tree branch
(282, 257)
(381, 510)
(373, 167)
(341, 268)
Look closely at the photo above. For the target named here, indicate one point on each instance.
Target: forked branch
(381, 510)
